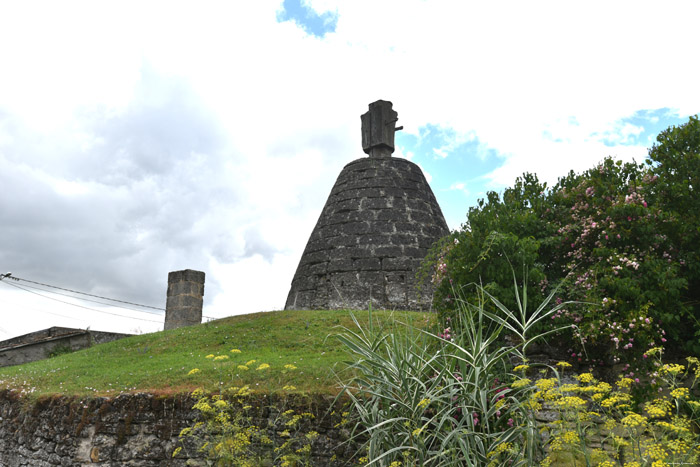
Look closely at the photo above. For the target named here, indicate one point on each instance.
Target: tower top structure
(378, 129)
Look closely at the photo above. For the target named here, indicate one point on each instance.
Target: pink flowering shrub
(620, 239)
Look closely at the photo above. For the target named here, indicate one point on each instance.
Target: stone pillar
(183, 306)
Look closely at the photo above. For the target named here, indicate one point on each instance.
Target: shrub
(620, 239)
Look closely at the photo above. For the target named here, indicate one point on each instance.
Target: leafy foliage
(622, 238)
(440, 398)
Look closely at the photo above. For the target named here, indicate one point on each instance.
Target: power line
(79, 306)
(9, 276)
(88, 300)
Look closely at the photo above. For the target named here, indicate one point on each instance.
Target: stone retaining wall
(139, 430)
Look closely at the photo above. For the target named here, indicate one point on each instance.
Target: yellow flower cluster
(680, 393)
(672, 369)
(624, 383)
(520, 383)
(563, 439)
(502, 447)
(655, 451)
(423, 403)
(570, 403)
(658, 408)
(585, 378)
(634, 420)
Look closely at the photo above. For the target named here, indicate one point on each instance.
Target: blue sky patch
(458, 169)
(307, 18)
(641, 128)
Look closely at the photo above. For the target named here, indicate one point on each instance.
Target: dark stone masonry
(142, 430)
(379, 222)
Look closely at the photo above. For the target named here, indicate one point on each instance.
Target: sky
(139, 138)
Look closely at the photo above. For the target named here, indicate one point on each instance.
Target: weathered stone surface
(185, 297)
(375, 229)
(141, 430)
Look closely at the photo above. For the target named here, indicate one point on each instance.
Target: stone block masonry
(142, 430)
(375, 230)
(183, 306)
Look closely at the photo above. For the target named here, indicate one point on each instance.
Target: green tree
(675, 162)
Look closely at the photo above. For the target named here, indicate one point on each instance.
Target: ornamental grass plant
(442, 398)
(466, 395)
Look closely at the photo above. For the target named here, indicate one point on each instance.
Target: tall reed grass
(441, 398)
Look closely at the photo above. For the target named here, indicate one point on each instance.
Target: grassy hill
(299, 346)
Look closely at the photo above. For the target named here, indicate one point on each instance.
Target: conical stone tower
(376, 228)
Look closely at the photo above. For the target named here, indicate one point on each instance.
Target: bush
(461, 397)
(620, 239)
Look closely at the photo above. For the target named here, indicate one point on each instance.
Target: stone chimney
(183, 306)
(378, 129)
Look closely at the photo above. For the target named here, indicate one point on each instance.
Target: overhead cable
(79, 306)
(84, 293)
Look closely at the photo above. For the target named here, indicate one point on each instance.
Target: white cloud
(209, 136)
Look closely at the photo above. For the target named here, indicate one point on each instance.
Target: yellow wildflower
(193, 371)
(624, 382)
(563, 365)
(250, 362)
(210, 356)
(289, 387)
(680, 393)
(220, 404)
(220, 357)
(672, 368)
(656, 452)
(289, 366)
(694, 404)
(242, 367)
(263, 366)
(177, 451)
(634, 420)
(586, 378)
(235, 350)
(521, 383)
(658, 408)
(423, 403)
(545, 384)
(570, 402)
(521, 368)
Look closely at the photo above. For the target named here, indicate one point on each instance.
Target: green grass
(160, 362)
